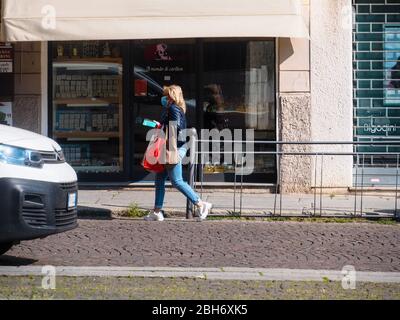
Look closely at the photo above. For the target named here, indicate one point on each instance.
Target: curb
(225, 273)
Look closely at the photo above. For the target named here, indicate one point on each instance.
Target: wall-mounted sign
(6, 67)
(6, 58)
(157, 52)
(6, 113)
(6, 71)
(162, 57)
(379, 128)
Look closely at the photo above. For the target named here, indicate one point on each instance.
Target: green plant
(134, 211)
(326, 280)
(387, 221)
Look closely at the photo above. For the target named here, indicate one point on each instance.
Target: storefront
(89, 72)
(100, 92)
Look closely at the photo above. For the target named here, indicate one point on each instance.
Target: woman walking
(175, 111)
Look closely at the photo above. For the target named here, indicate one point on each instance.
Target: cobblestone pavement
(368, 247)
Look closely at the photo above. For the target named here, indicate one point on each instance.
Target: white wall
(331, 85)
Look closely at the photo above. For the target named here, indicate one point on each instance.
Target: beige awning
(46, 20)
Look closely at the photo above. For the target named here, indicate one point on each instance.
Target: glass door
(239, 93)
(159, 63)
(87, 105)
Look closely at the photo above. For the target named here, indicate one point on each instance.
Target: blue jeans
(175, 175)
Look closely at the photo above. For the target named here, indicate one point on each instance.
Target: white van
(38, 189)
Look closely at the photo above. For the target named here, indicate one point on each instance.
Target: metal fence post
(234, 185)
(396, 214)
(192, 165)
(315, 184)
(280, 187)
(355, 184)
(320, 191)
(277, 181)
(241, 186)
(362, 185)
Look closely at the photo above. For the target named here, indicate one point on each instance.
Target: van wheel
(4, 247)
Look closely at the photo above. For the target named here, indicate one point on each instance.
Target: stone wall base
(295, 125)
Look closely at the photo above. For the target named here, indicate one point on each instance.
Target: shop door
(238, 84)
(158, 63)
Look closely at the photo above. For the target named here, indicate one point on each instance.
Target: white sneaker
(154, 216)
(203, 211)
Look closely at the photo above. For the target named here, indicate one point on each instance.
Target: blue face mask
(164, 101)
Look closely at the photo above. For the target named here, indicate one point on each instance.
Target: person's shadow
(12, 261)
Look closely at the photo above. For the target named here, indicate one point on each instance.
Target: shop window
(239, 93)
(377, 82)
(87, 104)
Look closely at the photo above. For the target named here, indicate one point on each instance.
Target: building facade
(91, 96)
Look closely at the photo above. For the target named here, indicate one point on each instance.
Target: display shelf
(87, 101)
(88, 95)
(88, 60)
(85, 134)
(105, 169)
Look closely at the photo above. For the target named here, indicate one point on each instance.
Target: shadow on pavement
(94, 213)
(7, 260)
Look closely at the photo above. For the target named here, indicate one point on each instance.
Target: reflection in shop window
(392, 65)
(157, 64)
(239, 93)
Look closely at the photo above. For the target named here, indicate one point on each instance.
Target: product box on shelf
(71, 120)
(87, 120)
(82, 86)
(77, 154)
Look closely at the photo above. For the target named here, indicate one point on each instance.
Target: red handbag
(152, 160)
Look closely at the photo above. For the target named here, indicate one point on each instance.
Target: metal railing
(275, 205)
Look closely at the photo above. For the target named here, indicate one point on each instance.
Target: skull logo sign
(162, 53)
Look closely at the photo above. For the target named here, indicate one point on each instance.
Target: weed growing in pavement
(134, 211)
(326, 280)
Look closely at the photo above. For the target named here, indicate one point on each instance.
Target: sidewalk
(254, 201)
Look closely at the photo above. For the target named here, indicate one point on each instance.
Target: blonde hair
(165, 90)
(175, 93)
